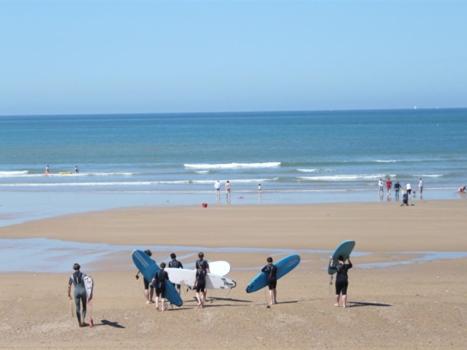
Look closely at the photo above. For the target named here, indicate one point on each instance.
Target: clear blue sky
(98, 56)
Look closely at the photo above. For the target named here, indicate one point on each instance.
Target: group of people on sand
(157, 284)
(47, 170)
(398, 188)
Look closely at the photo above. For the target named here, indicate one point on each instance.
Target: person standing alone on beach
(342, 281)
(228, 191)
(47, 170)
(271, 274)
(77, 281)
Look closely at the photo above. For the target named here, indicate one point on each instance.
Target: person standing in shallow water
(77, 281)
(271, 274)
(342, 281)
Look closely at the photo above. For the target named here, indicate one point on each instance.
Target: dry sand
(414, 306)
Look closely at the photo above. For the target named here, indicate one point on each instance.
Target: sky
(101, 56)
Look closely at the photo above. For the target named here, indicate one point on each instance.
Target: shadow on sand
(364, 303)
(109, 323)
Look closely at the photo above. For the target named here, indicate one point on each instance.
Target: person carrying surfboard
(77, 281)
(202, 269)
(158, 282)
(271, 273)
(148, 288)
(174, 263)
(342, 281)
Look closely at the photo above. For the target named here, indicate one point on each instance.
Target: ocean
(297, 157)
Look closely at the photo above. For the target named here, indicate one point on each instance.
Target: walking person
(388, 187)
(342, 281)
(228, 191)
(148, 287)
(158, 283)
(217, 188)
(202, 269)
(79, 293)
(381, 189)
(271, 274)
(397, 188)
(174, 263)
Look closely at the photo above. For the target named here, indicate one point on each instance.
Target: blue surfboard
(149, 268)
(284, 266)
(343, 249)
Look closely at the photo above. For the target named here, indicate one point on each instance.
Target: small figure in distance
(397, 188)
(77, 281)
(381, 189)
(174, 263)
(148, 288)
(462, 189)
(420, 187)
(388, 187)
(47, 170)
(228, 191)
(217, 188)
(405, 199)
(158, 283)
(76, 169)
(342, 281)
(271, 274)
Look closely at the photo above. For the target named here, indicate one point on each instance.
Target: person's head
(201, 255)
(148, 252)
(269, 260)
(173, 256)
(76, 266)
(340, 259)
(162, 265)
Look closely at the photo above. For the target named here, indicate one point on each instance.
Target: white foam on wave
(202, 172)
(350, 177)
(208, 166)
(430, 175)
(386, 161)
(312, 170)
(13, 173)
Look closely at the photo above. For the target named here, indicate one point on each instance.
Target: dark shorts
(200, 287)
(272, 285)
(341, 287)
(146, 283)
(160, 292)
(409, 191)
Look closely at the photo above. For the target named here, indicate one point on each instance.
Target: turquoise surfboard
(148, 268)
(284, 266)
(343, 249)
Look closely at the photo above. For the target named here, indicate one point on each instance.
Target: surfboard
(188, 278)
(219, 268)
(149, 268)
(284, 266)
(89, 286)
(343, 249)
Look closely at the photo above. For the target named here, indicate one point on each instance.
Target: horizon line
(69, 114)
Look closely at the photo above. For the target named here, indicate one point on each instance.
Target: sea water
(297, 157)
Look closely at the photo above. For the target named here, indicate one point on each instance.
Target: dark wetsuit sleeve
(264, 269)
(70, 281)
(181, 265)
(349, 265)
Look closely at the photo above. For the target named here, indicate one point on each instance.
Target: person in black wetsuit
(342, 281)
(174, 263)
(158, 283)
(79, 293)
(202, 269)
(271, 273)
(148, 288)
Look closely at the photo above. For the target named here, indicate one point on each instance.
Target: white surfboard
(188, 278)
(220, 268)
(89, 286)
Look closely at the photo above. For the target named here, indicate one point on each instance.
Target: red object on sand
(204, 205)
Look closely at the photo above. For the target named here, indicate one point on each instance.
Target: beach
(401, 294)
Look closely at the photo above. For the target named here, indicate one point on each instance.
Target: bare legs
(200, 296)
(341, 299)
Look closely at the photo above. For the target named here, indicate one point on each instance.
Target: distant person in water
(217, 188)
(388, 186)
(202, 269)
(158, 283)
(77, 281)
(420, 187)
(397, 188)
(76, 169)
(228, 191)
(381, 188)
(462, 189)
(405, 199)
(148, 288)
(47, 170)
(271, 274)
(175, 264)
(342, 281)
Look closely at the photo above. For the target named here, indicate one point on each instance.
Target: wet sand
(421, 305)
